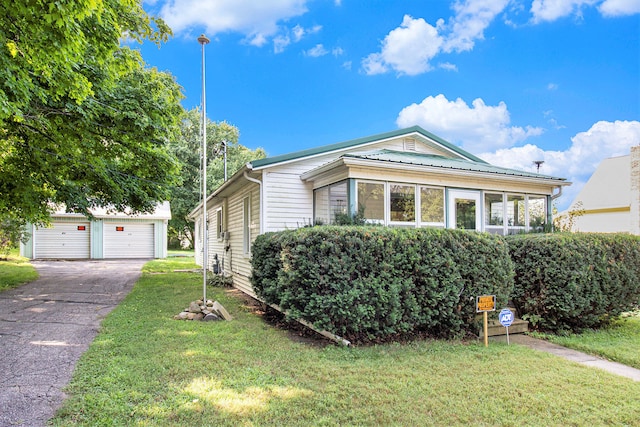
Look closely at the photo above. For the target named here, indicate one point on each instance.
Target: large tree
(187, 149)
(83, 121)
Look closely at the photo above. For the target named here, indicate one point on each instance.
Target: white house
(610, 201)
(404, 178)
(107, 235)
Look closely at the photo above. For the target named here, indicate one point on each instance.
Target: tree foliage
(83, 121)
(187, 149)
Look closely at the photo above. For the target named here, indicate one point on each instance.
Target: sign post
(485, 304)
(506, 319)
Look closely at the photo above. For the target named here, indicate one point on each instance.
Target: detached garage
(106, 235)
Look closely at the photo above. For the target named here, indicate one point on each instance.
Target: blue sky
(510, 81)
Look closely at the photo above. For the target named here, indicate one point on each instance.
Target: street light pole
(203, 40)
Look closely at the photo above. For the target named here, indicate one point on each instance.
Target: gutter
(257, 181)
(558, 194)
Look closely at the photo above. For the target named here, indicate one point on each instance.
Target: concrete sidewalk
(46, 325)
(573, 355)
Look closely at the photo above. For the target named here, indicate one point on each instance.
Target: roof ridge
(360, 141)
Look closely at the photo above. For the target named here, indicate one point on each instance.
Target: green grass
(146, 369)
(170, 264)
(619, 342)
(15, 271)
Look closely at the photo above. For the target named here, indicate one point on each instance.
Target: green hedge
(371, 284)
(573, 281)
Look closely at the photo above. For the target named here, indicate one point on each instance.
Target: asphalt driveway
(46, 325)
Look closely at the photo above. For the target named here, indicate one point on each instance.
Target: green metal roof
(361, 141)
(444, 162)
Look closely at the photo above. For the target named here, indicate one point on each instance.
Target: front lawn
(146, 369)
(619, 342)
(15, 271)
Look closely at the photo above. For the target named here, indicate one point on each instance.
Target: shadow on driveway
(47, 324)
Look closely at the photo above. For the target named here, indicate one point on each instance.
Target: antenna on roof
(538, 163)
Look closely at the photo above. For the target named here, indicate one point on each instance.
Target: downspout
(257, 181)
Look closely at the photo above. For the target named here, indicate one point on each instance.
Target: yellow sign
(485, 303)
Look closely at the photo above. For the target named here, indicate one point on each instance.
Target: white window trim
(419, 207)
(246, 226)
(219, 223)
(413, 223)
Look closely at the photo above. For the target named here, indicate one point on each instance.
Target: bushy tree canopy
(187, 149)
(83, 121)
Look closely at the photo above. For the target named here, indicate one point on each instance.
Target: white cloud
(316, 51)
(256, 20)
(552, 86)
(477, 128)
(550, 10)
(619, 7)
(448, 66)
(281, 41)
(471, 19)
(337, 51)
(579, 161)
(406, 49)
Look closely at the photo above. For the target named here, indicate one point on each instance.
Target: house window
(371, 201)
(432, 206)
(330, 201)
(321, 205)
(219, 224)
(246, 225)
(337, 200)
(494, 213)
(515, 213)
(402, 202)
(537, 208)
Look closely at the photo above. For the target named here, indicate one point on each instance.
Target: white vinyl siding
(289, 200)
(64, 240)
(128, 240)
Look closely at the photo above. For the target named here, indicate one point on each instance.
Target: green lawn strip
(146, 369)
(619, 342)
(15, 271)
(170, 264)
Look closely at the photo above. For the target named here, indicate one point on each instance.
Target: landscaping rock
(209, 311)
(194, 307)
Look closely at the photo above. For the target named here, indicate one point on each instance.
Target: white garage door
(64, 240)
(128, 240)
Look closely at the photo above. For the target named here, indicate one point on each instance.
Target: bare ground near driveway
(46, 325)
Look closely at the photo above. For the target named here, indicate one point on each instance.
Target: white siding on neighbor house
(65, 240)
(128, 240)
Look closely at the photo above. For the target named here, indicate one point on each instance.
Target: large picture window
(537, 212)
(402, 200)
(515, 211)
(371, 200)
(330, 201)
(432, 205)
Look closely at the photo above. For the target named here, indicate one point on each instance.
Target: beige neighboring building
(611, 198)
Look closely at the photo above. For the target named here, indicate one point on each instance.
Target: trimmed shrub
(573, 281)
(376, 284)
